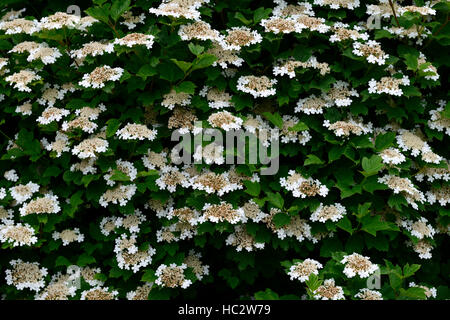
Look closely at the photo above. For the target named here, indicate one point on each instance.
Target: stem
(113, 27)
(393, 11)
(11, 139)
(437, 32)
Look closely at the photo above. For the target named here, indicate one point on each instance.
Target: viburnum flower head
(356, 264)
(302, 270)
(257, 86)
(100, 75)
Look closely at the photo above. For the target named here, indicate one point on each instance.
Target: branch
(393, 11)
(437, 31)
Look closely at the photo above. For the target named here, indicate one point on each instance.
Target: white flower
(22, 193)
(134, 131)
(302, 270)
(392, 156)
(11, 175)
(257, 86)
(100, 75)
(332, 212)
(68, 236)
(17, 234)
(26, 275)
(133, 39)
(51, 114)
(44, 53)
(21, 79)
(46, 204)
(372, 51)
(356, 264)
(89, 147)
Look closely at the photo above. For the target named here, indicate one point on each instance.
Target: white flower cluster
(371, 50)
(302, 270)
(17, 234)
(419, 228)
(332, 212)
(392, 156)
(126, 167)
(405, 187)
(26, 275)
(23, 192)
(172, 276)
(100, 75)
(129, 256)
(388, 85)
(11, 175)
(302, 187)
(356, 264)
(89, 147)
(329, 291)
(46, 204)
(438, 122)
(67, 236)
(257, 86)
(134, 39)
(21, 79)
(119, 195)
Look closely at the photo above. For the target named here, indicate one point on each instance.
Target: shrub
(347, 97)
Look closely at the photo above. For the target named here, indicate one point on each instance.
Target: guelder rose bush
(95, 204)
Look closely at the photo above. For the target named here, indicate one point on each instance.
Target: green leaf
(62, 261)
(242, 18)
(345, 224)
(112, 126)
(446, 112)
(276, 199)
(379, 242)
(372, 166)
(99, 13)
(274, 118)
(149, 276)
(411, 62)
(371, 184)
(118, 8)
(268, 294)
(372, 224)
(252, 188)
(170, 71)
(85, 259)
(195, 49)
(411, 91)
(384, 141)
(335, 153)
(312, 159)
(261, 14)
(299, 127)
(413, 293)
(146, 71)
(186, 86)
(281, 219)
(313, 282)
(183, 65)
(410, 270)
(203, 61)
(329, 246)
(119, 176)
(52, 171)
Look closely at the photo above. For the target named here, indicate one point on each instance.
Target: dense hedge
(94, 205)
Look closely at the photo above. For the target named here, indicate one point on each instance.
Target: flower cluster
(118, 177)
